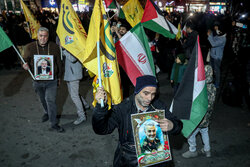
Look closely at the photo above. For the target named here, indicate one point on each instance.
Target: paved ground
(26, 142)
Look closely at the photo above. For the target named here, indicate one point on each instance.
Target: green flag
(121, 14)
(5, 42)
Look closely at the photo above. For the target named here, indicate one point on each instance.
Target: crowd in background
(235, 66)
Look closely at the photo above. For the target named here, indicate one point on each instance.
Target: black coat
(39, 70)
(105, 121)
(189, 44)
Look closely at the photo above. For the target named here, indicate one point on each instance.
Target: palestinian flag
(121, 14)
(111, 4)
(154, 20)
(190, 101)
(135, 62)
(184, 31)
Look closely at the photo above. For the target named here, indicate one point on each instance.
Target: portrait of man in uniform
(151, 143)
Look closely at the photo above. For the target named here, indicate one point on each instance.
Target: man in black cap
(105, 121)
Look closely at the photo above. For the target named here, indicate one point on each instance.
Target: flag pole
(23, 61)
(29, 28)
(116, 13)
(61, 53)
(99, 69)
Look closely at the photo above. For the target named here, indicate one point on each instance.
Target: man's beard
(151, 138)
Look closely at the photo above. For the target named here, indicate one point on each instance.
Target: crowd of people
(224, 45)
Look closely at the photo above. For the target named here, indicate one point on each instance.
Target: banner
(99, 30)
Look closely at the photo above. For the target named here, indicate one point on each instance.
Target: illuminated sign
(217, 3)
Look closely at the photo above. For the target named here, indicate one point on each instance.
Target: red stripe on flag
(201, 69)
(108, 2)
(127, 63)
(149, 12)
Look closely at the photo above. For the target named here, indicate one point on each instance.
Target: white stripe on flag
(198, 85)
(134, 48)
(160, 20)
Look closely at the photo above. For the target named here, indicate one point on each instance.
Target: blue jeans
(46, 90)
(215, 63)
(204, 136)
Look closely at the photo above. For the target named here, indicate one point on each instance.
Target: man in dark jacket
(189, 43)
(105, 121)
(46, 89)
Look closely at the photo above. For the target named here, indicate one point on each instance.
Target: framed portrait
(152, 145)
(43, 67)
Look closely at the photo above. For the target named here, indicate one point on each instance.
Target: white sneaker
(79, 120)
(207, 153)
(190, 154)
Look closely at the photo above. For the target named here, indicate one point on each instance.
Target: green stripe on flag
(107, 40)
(121, 14)
(5, 42)
(112, 5)
(152, 25)
(199, 109)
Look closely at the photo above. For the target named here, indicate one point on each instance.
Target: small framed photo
(152, 145)
(43, 67)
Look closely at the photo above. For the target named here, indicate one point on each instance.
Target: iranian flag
(154, 20)
(134, 54)
(190, 101)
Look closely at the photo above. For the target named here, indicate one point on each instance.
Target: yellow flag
(133, 12)
(34, 25)
(99, 30)
(70, 30)
(178, 35)
(95, 85)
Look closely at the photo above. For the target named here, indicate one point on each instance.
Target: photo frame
(44, 67)
(152, 145)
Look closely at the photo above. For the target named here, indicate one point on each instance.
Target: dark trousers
(46, 90)
(215, 63)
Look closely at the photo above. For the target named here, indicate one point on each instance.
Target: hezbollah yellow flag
(34, 25)
(95, 85)
(178, 35)
(133, 12)
(70, 30)
(99, 30)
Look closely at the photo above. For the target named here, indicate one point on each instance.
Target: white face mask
(218, 32)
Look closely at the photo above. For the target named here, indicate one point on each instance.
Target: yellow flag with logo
(178, 35)
(34, 25)
(70, 30)
(99, 30)
(95, 85)
(133, 12)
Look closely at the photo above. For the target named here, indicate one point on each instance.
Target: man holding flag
(46, 89)
(105, 121)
